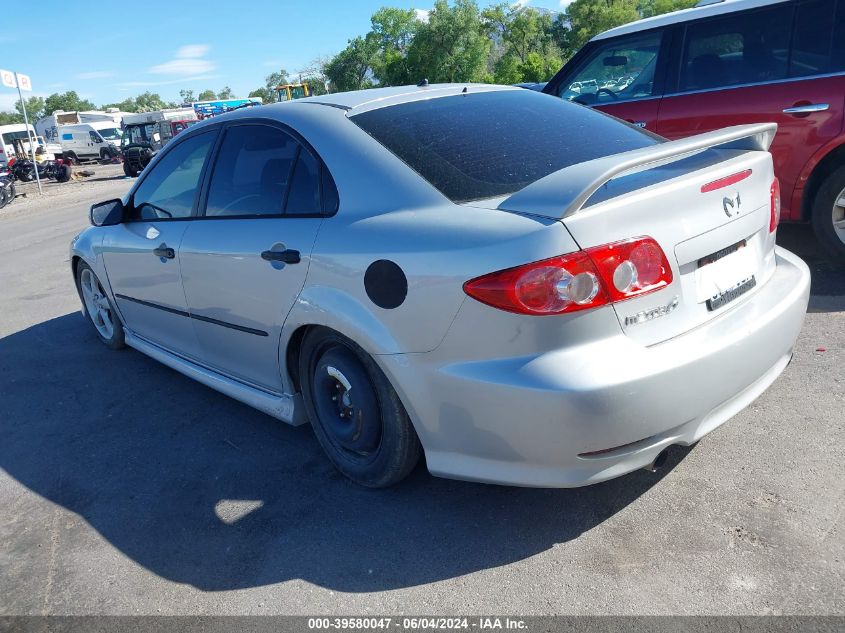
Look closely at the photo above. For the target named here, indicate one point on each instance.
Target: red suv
(722, 64)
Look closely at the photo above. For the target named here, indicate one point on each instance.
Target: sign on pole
(24, 82)
(7, 77)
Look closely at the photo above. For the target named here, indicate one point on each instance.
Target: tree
(150, 102)
(7, 118)
(524, 43)
(452, 46)
(648, 8)
(585, 18)
(225, 93)
(268, 91)
(187, 96)
(207, 95)
(352, 68)
(68, 101)
(34, 108)
(393, 30)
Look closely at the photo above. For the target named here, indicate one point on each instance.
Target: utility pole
(30, 137)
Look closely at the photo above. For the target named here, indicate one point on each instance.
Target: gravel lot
(126, 488)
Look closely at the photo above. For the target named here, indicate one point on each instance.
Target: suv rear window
(482, 145)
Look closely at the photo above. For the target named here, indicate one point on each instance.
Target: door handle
(808, 108)
(288, 256)
(164, 251)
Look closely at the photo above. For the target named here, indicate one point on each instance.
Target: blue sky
(118, 49)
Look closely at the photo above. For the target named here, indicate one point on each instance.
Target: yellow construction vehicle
(289, 92)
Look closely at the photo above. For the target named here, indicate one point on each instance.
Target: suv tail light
(586, 279)
(774, 199)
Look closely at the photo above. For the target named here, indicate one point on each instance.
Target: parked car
(743, 61)
(407, 273)
(84, 141)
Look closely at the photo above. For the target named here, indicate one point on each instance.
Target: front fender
(87, 247)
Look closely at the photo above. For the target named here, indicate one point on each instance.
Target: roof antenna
(464, 91)
(423, 83)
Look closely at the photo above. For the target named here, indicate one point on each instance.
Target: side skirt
(282, 407)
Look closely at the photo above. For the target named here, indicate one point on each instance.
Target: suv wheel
(829, 216)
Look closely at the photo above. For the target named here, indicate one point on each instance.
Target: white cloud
(422, 14)
(95, 74)
(523, 3)
(193, 50)
(189, 60)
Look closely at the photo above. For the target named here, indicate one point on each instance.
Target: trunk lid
(705, 200)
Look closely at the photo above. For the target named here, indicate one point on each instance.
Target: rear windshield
(482, 145)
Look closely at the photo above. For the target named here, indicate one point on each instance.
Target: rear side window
(304, 196)
(812, 39)
(481, 145)
(252, 172)
(741, 48)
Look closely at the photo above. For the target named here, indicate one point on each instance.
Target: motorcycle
(24, 170)
(7, 187)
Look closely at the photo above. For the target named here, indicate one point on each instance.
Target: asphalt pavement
(126, 488)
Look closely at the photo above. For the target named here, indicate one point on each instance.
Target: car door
(245, 260)
(621, 76)
(739, 68)
(142, 253)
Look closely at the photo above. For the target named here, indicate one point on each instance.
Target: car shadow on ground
(200, 489)
(828, 280)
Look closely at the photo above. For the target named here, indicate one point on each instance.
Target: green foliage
(145, 102)
(8, 118)
(352, 68)
(34, 108)
(207, 95)
(649, 8)
(187, 96)
(225, 93)
(394, 30)
(68, 101)
(453, 46)
(268, 91)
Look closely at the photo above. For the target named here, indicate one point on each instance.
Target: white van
(8, 135)
(84, 141)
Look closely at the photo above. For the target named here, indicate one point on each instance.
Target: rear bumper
(528, 420)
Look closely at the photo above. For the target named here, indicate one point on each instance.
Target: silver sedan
(527, 291)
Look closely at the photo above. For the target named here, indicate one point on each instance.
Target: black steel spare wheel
(346, 402)
(356, 414)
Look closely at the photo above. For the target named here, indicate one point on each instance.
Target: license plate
(721, 299)
(725, 275)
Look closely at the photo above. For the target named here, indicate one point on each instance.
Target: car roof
(363, 100)
(685, 15)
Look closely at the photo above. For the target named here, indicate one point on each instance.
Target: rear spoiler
(564, 192)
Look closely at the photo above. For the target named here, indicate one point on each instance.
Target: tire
(71, 158)
(4, 197)
(826, 211)
(63, 173)
(130, 170)
(113, 338)
(365, 431)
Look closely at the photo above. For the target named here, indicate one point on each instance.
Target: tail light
(568, 283)
(774, 198)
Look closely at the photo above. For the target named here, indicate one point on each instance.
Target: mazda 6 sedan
(524, 290)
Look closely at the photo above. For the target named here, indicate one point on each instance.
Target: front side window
(95, 138)
(736, 49)
(110, 133)
(617, 69)
(169, 190)
(252, 172)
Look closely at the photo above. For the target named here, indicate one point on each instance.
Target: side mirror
(106, 213)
